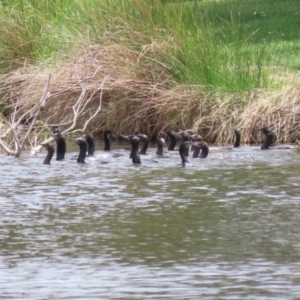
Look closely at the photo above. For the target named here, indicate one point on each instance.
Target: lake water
(225, 227)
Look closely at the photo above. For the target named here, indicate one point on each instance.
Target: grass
(225, 50)
(223, 44)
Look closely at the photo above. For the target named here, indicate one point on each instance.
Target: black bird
(107, 135)
(56, 129)
(90, 143)
(237, 132)
(203, 146)
(128, 138)
(134, 140)
(50, 152)
(195, 138)
(270, 138)
(82, 143)
(160, 146)
(61, 146)
(237, 142)
(185, 136)
(144, 138)
(183, 151)
(172, 139)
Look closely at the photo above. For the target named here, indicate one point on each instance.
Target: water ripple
(223, 228)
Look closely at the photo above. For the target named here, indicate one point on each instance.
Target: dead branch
(14, 124)
(78, 110)
(99, 106)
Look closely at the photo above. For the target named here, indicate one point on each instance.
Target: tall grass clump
(35, 29)
(221, 44)
(190, 45)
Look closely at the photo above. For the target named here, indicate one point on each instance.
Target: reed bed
(140, 94)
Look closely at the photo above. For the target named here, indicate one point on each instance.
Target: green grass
(230, 45)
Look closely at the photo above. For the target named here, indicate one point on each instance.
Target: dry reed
(140, 94)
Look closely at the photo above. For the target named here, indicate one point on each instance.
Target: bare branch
(13, 125)
(6, 148)
(88, 90)
(79, 107)
(99, 106)
(38, 106)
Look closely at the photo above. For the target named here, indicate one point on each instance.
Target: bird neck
(172, 142)
(82, 153)
(144, 148)
(61, 148)
(183, 151)
(48, 156)
(237, 139)
(160, 149)
(91, 145)
(134, 152)
(204, 151)
(106, 143)
(268, 140)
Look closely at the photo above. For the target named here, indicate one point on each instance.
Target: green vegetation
(207, 64)
(232, 44)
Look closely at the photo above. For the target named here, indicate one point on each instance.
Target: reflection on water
(226, 227)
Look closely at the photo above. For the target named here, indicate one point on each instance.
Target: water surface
(225, 227)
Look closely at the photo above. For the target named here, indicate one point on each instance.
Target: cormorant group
(188, 141)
